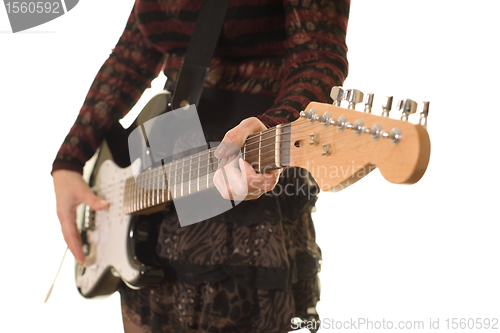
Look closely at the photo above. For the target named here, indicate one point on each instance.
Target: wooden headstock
(339, 146)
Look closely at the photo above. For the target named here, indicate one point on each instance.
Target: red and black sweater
(293, 50)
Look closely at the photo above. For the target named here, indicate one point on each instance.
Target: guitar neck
(154, 187)
(337, 146)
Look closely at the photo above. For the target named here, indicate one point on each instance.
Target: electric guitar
(337, 145)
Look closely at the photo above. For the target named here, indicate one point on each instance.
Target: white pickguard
(108, 240)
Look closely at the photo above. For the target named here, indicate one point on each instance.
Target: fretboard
(155, 186)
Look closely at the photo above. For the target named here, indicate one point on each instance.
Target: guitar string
(158, 175)
(213, 149)
(207, 152)
(180, 165)
(298, 121)
(143, 198)
(153, 176)
(180, 168)
(147, 197)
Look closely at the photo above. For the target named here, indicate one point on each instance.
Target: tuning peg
(310, 115)
(387, 106)
(353, 96)
(337, 94)
(368, 103)
(407, 107)
(424, 114)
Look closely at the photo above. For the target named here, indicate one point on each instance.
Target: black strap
(199, 54)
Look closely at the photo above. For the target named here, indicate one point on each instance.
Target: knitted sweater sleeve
(120, 82)
(315, 58)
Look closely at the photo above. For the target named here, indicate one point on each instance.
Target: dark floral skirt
(251, 269)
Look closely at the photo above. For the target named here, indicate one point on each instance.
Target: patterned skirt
(251, 269)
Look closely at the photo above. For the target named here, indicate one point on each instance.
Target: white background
(393, 252)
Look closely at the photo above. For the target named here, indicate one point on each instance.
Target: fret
(175, 178)
(251, 153)
(169, 194)
(259, 150)
(141, 197)
(138, 189)
(182, 178)
(135, 193)
(190, 168)
(198, 178)
(134, 185)
(270, 149)
(285, 148)
(208, 167)
(167, 184)
(277, 146)
(152, 188)
(159, 184)
(141, 193)
(148, 190)
(131, 194)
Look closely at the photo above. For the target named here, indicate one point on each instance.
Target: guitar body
(119, 247)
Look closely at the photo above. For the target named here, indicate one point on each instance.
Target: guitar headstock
(339, 146)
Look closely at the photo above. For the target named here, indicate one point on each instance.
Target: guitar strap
(200, 51)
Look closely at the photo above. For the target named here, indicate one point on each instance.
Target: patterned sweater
(293, 50)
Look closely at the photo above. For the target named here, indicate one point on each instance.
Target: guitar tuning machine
(310, 115)
(337, 94)
(424, 114)
(387, 106)
(341, 123)
(407, 107)
(325, 119)
(395, 135)
(358, 128)
(369, 103)
(353, 96)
